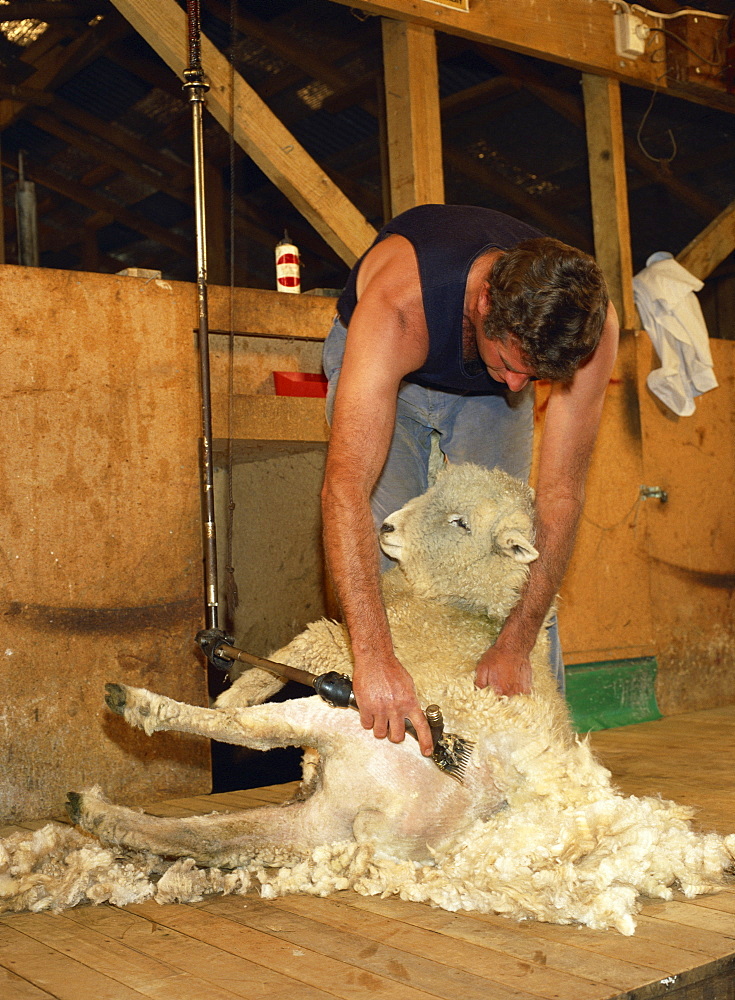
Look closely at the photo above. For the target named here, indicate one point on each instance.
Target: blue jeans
(491, 431)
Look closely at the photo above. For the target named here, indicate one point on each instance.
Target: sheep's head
(467, 540)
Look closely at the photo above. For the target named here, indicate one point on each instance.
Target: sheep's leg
(274, 835)
(303, 721)
(249, 687)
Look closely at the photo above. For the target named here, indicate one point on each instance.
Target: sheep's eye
(459, 521)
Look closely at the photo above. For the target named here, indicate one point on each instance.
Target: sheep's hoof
(115, 698)
(74, 806)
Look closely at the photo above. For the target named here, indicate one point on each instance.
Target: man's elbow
(339, 493)
(569, 499)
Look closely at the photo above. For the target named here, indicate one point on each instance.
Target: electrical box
(630, 35)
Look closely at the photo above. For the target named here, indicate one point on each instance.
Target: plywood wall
(100, 533)
(604, 605)
(100, 520)
(690, 540)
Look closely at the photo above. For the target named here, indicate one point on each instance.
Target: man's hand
(506, 671)
(386, 696)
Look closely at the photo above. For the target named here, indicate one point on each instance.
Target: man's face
(504, 362)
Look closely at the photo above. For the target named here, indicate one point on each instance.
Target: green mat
(613, 693)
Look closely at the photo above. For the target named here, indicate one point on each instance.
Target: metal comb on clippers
(451, 753)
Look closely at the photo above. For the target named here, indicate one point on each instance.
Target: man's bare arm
(383, 345)
(572, 421)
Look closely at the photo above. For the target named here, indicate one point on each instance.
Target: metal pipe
(26, 216)
(196, 88)
(281, 669)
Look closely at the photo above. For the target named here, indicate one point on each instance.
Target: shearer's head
(548, 303)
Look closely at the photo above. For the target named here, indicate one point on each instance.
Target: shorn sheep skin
(536, 831)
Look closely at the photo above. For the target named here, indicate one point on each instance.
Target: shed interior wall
(101, 509)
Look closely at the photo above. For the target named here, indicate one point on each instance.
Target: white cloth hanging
(672, 317)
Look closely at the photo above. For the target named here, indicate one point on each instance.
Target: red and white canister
(288, 266)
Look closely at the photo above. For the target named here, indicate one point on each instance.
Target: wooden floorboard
(354, 947)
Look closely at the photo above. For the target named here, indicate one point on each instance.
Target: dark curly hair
(552, 299)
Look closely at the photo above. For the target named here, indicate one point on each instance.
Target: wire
(623, 5)
(644, 119)
(672, 34)
(685, 12)
(623, 519)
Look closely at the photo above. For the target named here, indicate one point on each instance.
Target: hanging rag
(672, 317)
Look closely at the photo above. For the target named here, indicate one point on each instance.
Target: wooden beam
(24, 95)
(479, 94)
(707, 250)
(283, 44)
(271, 314)
(256, 129)
(609, 192)
(412, 115)
(178, 173)
(577, 33)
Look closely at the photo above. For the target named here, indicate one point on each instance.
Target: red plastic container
(300, 384)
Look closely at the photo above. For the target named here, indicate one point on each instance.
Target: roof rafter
(516, 195)
(710, 247)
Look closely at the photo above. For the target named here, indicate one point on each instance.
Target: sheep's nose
(386, 527)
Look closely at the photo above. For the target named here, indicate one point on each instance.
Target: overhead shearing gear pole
(196, 87)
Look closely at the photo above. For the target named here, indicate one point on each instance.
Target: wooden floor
(348, 946)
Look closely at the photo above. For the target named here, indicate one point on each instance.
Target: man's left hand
(506, 671)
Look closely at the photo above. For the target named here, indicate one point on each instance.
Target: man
(442, 325)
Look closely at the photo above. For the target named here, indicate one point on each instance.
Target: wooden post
(412, 115)
(609, 191)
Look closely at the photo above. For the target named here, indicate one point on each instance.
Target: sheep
(534, 831)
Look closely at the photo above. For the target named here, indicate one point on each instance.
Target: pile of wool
(56, 867)
(566, 847)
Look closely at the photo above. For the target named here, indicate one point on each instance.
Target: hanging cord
(232, 598)
(680, 41)
(196, 88)
(656, 159)
(723, 34)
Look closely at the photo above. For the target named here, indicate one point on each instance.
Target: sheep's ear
(513, 543)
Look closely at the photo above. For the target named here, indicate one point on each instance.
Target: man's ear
(484, 299)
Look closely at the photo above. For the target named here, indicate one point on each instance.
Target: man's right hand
(386, 696)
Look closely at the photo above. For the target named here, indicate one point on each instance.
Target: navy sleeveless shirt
(447, 239)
